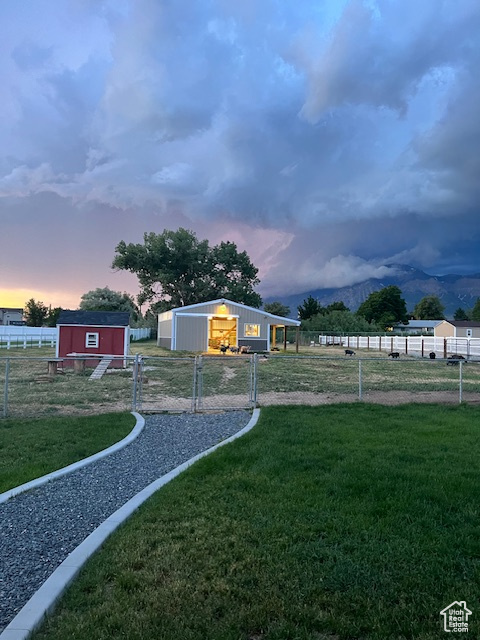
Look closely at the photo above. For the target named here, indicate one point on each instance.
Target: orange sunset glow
(16, 298)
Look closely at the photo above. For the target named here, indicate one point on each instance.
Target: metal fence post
(5, 389)
(135, 383)
(460, 389)
(255, 379)
(359, 379)
(200, 383)
(194, 386)
(250, 378)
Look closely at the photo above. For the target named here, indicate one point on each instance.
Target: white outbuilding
(211, 326)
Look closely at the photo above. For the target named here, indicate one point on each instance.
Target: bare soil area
(270, 398)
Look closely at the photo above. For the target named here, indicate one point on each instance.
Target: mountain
(453, 290)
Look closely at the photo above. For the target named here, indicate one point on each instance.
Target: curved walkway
(42, 527)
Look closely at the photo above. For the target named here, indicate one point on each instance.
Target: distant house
(457, 329)
(10, 316)
(424, 327)
(209, 326)
(93, 333)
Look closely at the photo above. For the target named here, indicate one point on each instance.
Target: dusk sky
(327, 138)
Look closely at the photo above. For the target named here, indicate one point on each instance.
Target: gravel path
(39, 528)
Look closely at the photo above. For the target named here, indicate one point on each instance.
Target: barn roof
(95, 318)
(279, 319)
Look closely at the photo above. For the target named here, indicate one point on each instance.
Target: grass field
(336, 522)
(32, 448)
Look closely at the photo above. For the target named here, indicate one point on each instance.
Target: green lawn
(336, 522)
(31, 448)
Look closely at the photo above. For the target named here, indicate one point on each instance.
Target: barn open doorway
(221, 332)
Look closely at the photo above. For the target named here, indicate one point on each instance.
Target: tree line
(175, 268)
(379, 312)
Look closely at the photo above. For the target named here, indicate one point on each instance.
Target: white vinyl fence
(11, 336)
(420, 346)
(24, 337)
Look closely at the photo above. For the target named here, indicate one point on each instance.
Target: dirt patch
(276, 398)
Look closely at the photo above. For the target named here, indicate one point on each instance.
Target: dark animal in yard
(234, 349)
(432, 355)
(394, 354)
(223, 348)
(453, 360)
(349, 352)
(274, 349)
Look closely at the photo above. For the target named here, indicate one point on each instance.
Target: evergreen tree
(460, 314)
(309, 308)
(475, 314)
(35, 313)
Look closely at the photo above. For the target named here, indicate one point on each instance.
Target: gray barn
(207, 326)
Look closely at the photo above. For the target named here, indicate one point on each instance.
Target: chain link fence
(48, 386)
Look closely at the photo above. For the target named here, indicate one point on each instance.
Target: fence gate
(201, 383)
(224, 382)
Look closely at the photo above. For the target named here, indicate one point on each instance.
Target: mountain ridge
(453, 290)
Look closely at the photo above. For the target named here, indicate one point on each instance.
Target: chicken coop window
(91, 340)
(252, 330)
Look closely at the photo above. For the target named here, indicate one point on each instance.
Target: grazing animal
(453, 360)
(394, 354)
(244, 349)
(349, 352)
(432, 355)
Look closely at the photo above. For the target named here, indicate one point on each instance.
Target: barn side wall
(164, 335)
(253, 344)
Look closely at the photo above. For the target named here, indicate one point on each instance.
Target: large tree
(35, 313)
(429, 308)
(384, 307)
(176, 267)
(104, 299)
(277, 309)
(233, 275)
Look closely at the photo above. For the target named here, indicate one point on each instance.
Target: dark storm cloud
(346, 132)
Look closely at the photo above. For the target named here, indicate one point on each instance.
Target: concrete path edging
(44, 600)
(38, 482)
